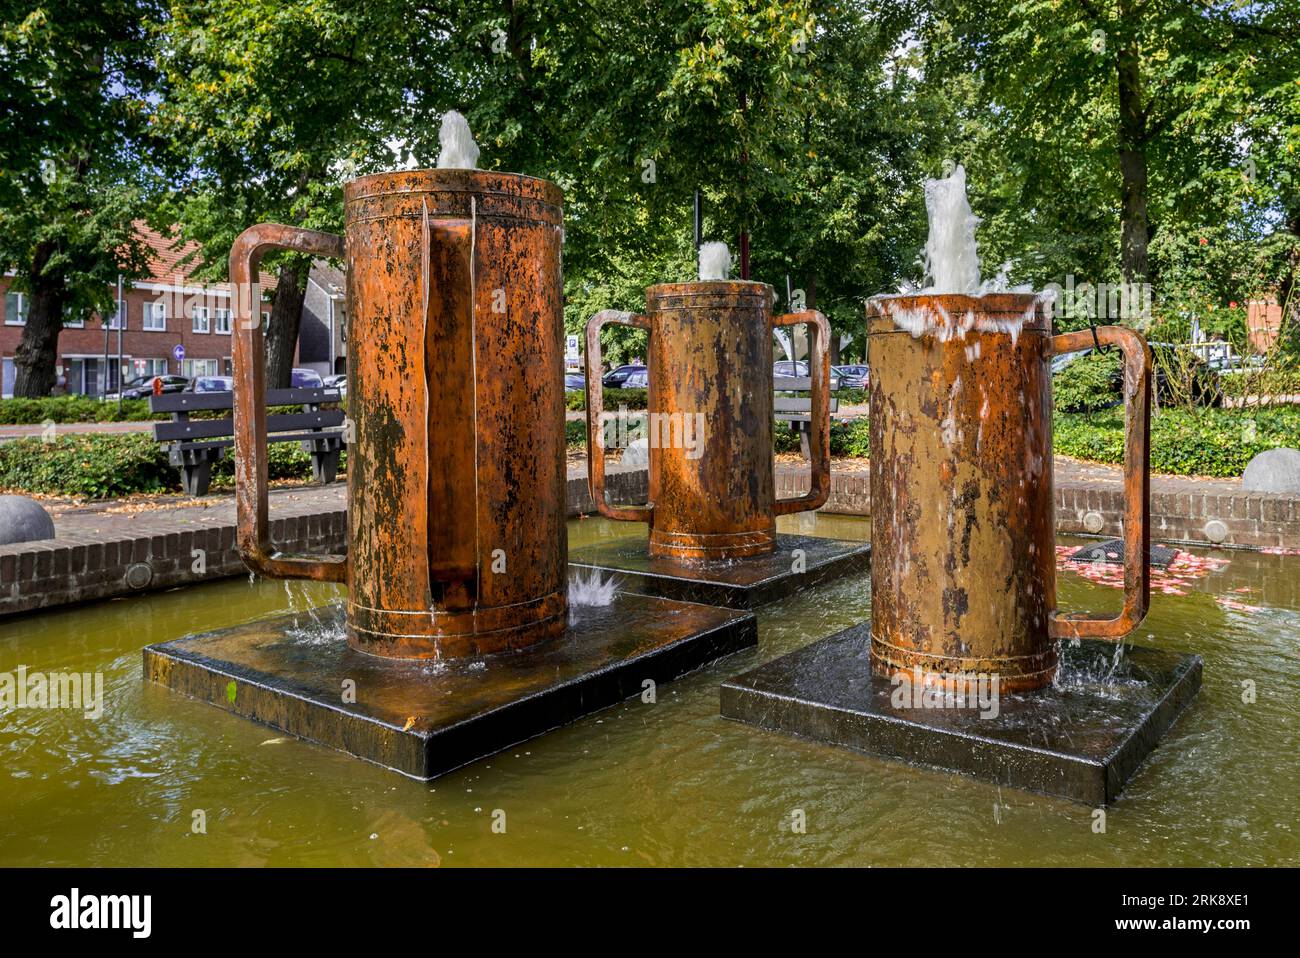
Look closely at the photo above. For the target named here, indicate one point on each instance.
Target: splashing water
(951, 265)
(459, 151)
(715, 261)
(592, 589)
(952, 262)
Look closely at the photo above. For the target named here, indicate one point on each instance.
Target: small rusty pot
(712, 489)
(963, 561)
(456, 473)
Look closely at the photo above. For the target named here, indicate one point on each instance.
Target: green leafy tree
(75, 168)
(270, 106)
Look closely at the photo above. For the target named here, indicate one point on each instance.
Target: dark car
(618, 378)
(574, 382)
(210, 384)
(141, 387)
(305, 379)
(851, 377)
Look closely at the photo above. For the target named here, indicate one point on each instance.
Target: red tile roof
(166, 253)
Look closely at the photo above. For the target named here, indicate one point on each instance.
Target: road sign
(179, 352)
(571, 348)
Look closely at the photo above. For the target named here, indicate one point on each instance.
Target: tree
(270, 105)
(75, 172)
(1116, 83)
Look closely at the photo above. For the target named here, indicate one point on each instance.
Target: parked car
(793, 368)
(618, 378)
(210, 384)
(574, 382)
(141, 387)
(339, 382)
(851, 377)
(305, 379)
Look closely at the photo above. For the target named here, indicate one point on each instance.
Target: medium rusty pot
(712, 489)
(456, 473)
(963, 561)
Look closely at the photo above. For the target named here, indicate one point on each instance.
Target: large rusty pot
(712, 488)
(963, 564)
(456, 471)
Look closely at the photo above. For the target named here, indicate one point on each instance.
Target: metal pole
(121, 323)
(699, 222)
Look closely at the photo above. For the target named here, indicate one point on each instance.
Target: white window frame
(110, 321)
(153, 312)
(189, 372)
(152, 367)
(224, 322)
(197, 313)
(21, 319)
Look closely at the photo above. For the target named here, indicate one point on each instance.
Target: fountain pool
(669, 783)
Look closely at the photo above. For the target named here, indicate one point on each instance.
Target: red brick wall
(138, 343)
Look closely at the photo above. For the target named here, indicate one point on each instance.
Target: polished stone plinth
(1081, 739)
(424, 718)
(799, 562)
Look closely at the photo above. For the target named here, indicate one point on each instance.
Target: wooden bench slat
(785, 404)
(190, 402)
(213, 428)
(285, 437)
(792, 383)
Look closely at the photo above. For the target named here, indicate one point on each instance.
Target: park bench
(196, 444)
(797, 410)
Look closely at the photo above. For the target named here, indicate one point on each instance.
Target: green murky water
(663, 784)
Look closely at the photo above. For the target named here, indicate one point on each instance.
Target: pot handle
(820, 451)
(595, 409)
(1137, 486)
(249, 366)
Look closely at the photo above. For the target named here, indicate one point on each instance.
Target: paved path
(36, 429)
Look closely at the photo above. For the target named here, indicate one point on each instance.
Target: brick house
(163, 310)
(322, 337)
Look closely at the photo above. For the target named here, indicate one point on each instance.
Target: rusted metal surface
(712, 490)
(456, 475)
(963, 567)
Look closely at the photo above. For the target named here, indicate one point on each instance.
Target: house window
(192, 368)
(149, 367)
(8, 373)
(223, 321)
(199, 319)
(111, 321)
(15, 309)
(155, 317)
(73, 320)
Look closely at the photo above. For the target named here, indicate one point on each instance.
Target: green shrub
(97, 466)
(612, 399)
(575, 433)
(1090, 383)
(25, 412)
(1202, 442)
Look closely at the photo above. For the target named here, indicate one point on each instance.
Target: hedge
(1206, 442)
(1184, 442)
(103, 466)
(26, 412)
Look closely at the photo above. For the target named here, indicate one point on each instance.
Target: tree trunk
(286, 316)
(38, 349)
(1134, 225)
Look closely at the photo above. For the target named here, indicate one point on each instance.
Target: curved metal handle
(820, 427)
(249, 362)
(1137, 487)
(596, 407)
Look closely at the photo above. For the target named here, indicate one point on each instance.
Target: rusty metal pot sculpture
(710, 382)
(963, 564)
(456, 471)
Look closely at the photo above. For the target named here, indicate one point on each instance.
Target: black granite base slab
(1081, 739)
(736, 583)
(427, 718)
